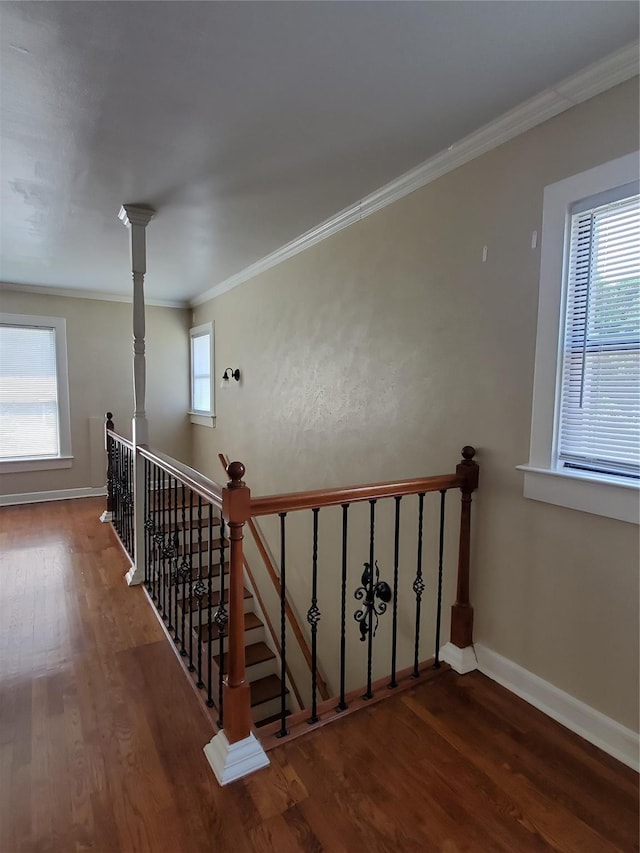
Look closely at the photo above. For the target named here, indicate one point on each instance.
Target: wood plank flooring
(101, 739)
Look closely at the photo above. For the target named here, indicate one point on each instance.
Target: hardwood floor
(101, 739)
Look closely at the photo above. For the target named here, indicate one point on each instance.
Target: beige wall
(378, 353)
(99, 348)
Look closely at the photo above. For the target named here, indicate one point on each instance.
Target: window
(585, 431)
(202, 408)
(35, 429)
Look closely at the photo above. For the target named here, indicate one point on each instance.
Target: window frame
(599, 494)
(64, 459)
(198, 417)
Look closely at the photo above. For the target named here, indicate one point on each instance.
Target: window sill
(18, 466)
(586, 492)
(202, 420)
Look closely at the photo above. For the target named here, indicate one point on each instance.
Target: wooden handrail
(198, 483)
(117, 437)
(273, 504)
(275, 580)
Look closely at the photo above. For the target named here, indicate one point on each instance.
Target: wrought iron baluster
(209, 603)
(443, 495)
(191, 666)
(313, 617)
(168, 550)
(372, 525)
(199, 590)
(163, 563)
(184, 568)
(342, 705)
(131, 507)
(394, 628)
(146, 529)
(418, 586)
(283, 627)
(175, 576)
(221, 617)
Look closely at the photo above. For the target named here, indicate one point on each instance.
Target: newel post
(107, 515)
(235, 751)
(459, 651)
(136, 218)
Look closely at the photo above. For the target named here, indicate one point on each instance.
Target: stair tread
(265, 689)
(253, 654)
(195, 603)
(251, 621)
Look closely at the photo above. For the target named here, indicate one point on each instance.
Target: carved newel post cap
(235, 470)
(468, 453)
(109, 416)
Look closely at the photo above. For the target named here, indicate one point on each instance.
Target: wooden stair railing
(290, 615)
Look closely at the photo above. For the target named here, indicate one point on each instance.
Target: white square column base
(460, 660)
(231, 761)
(134, 575)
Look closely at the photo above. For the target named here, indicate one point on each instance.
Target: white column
(136, 218)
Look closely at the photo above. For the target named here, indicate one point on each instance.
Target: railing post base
(106, 516)
(460, 660)
(231, 761)
(461, 625)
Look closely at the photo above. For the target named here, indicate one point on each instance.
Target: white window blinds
(28, 393)
(201, 373)
(599, 417)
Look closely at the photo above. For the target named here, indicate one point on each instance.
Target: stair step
(215, 573)
(195, 603)
(251, 621)
(275, 718)
(253, 654)
(265, 689)
(195, 547)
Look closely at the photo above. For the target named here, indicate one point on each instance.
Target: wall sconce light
(228, 375)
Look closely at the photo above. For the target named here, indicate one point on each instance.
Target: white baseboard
(231, 761)
(607, 734)
(460, 660)
(57, 495)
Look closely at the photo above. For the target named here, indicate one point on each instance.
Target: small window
(202, 400)
(599, 410)
(585, 419)
(34, 393)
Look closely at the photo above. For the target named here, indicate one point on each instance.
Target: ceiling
(246, 123)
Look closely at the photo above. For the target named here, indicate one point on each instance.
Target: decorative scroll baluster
(199, 591)
(175, 573)
(184, 568)
(372, 521)
(443, 495)
(163, 563)
(283, 628)
(221, 619)
(418, 586)
(342, 705)
(109, 448)
(394, 627)
(169, 554)
(209, 609)
(146, 529)
(191, 666)
(313, 617)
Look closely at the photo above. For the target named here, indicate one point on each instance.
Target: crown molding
(102, 296)
(585, 84)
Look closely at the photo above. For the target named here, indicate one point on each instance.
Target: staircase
(195, 563)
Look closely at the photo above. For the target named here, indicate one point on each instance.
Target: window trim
(197, 417)
(64, 459)
(606, 495)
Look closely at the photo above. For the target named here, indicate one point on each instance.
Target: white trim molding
(607, 734)
(231, 761)
(45, 463)
(460, 660)
(56, 495)
(101, 295)
(591, 81)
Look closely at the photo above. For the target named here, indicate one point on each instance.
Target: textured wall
(100, 355)
(378, 353)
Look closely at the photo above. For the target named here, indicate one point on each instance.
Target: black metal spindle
(175, 574)
(418, 586)
(313, 617)
(221, 619)
(443, 495)
(372, 528)
(209, 606)
(163, 563)
(342, 705)
(132, 541)
(200, 590)
(169, 553)
(146, 523)
(184, 567)
(191, 666)
(283, 628)
(394, 627)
